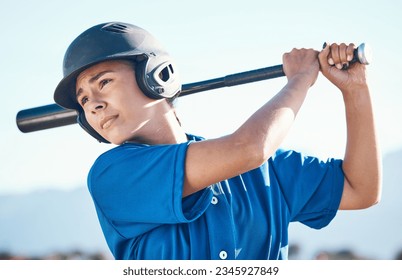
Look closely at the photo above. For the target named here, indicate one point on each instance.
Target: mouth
(107, 121)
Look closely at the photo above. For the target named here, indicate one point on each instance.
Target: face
(112, 101)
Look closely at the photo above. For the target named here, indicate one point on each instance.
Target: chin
(119, 140)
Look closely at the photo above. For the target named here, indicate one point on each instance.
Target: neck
(171, 132)
(163, 129)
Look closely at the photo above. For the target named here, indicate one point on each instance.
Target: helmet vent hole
(166, 72)
(171, 68)
(116, 28)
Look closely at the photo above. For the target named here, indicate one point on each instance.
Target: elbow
(374, 190)
(255, 146)
(261, 152)
(256, 154)
(376, 196)
(363, 187)
(372, 200)
(361, 195)
(370, 197)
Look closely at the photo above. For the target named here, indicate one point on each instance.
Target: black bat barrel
(44, 117)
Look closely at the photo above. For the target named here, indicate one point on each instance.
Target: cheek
(91, 121)
(132, 107)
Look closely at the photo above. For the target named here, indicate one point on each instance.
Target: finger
(325, 52)
(342, 56)
(342, 53)
(349, 51)
(335, 55)
(323, 57)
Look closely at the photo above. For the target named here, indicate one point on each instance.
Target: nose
(97, 106)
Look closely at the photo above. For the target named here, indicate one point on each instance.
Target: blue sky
(208, 39)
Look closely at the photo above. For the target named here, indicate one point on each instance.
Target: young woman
(165, 194)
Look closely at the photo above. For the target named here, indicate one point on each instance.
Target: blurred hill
(50, 223)
(46, 223)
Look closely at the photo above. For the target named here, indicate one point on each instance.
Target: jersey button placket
(222, 238)
(223, 255)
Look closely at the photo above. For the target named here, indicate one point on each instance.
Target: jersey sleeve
(312, 188)
(142, 186)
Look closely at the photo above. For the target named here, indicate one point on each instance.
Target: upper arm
(211, 161)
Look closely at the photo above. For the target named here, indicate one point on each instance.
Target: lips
(107, 121)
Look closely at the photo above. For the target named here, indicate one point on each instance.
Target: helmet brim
(65, 92)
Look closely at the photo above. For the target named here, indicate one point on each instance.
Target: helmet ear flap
(82, 121)
(157, 77)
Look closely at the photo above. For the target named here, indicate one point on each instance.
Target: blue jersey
(137, 192)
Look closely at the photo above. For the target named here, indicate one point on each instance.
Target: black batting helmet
(155, 71)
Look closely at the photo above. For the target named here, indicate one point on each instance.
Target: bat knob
(363, 54)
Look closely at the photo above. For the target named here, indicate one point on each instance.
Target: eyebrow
(92, 80)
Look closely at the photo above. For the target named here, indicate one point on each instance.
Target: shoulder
(285, 162)
(119, 152)
(142, 155)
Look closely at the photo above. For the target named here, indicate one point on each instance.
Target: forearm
(266, 129)
(362, 161)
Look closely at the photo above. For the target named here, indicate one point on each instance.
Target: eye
(84, 100)
(104, 82)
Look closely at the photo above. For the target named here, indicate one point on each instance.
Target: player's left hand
(335, 65)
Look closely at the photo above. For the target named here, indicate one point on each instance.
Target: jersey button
(214, 200)
(223, 255)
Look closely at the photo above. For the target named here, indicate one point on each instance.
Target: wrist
(302, 81)
(355, 91)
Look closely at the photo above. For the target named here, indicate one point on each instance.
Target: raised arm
(211, 161)
(362, 161)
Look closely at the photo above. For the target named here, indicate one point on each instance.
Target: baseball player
(163, 193)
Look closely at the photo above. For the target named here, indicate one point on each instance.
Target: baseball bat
(53, 115)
